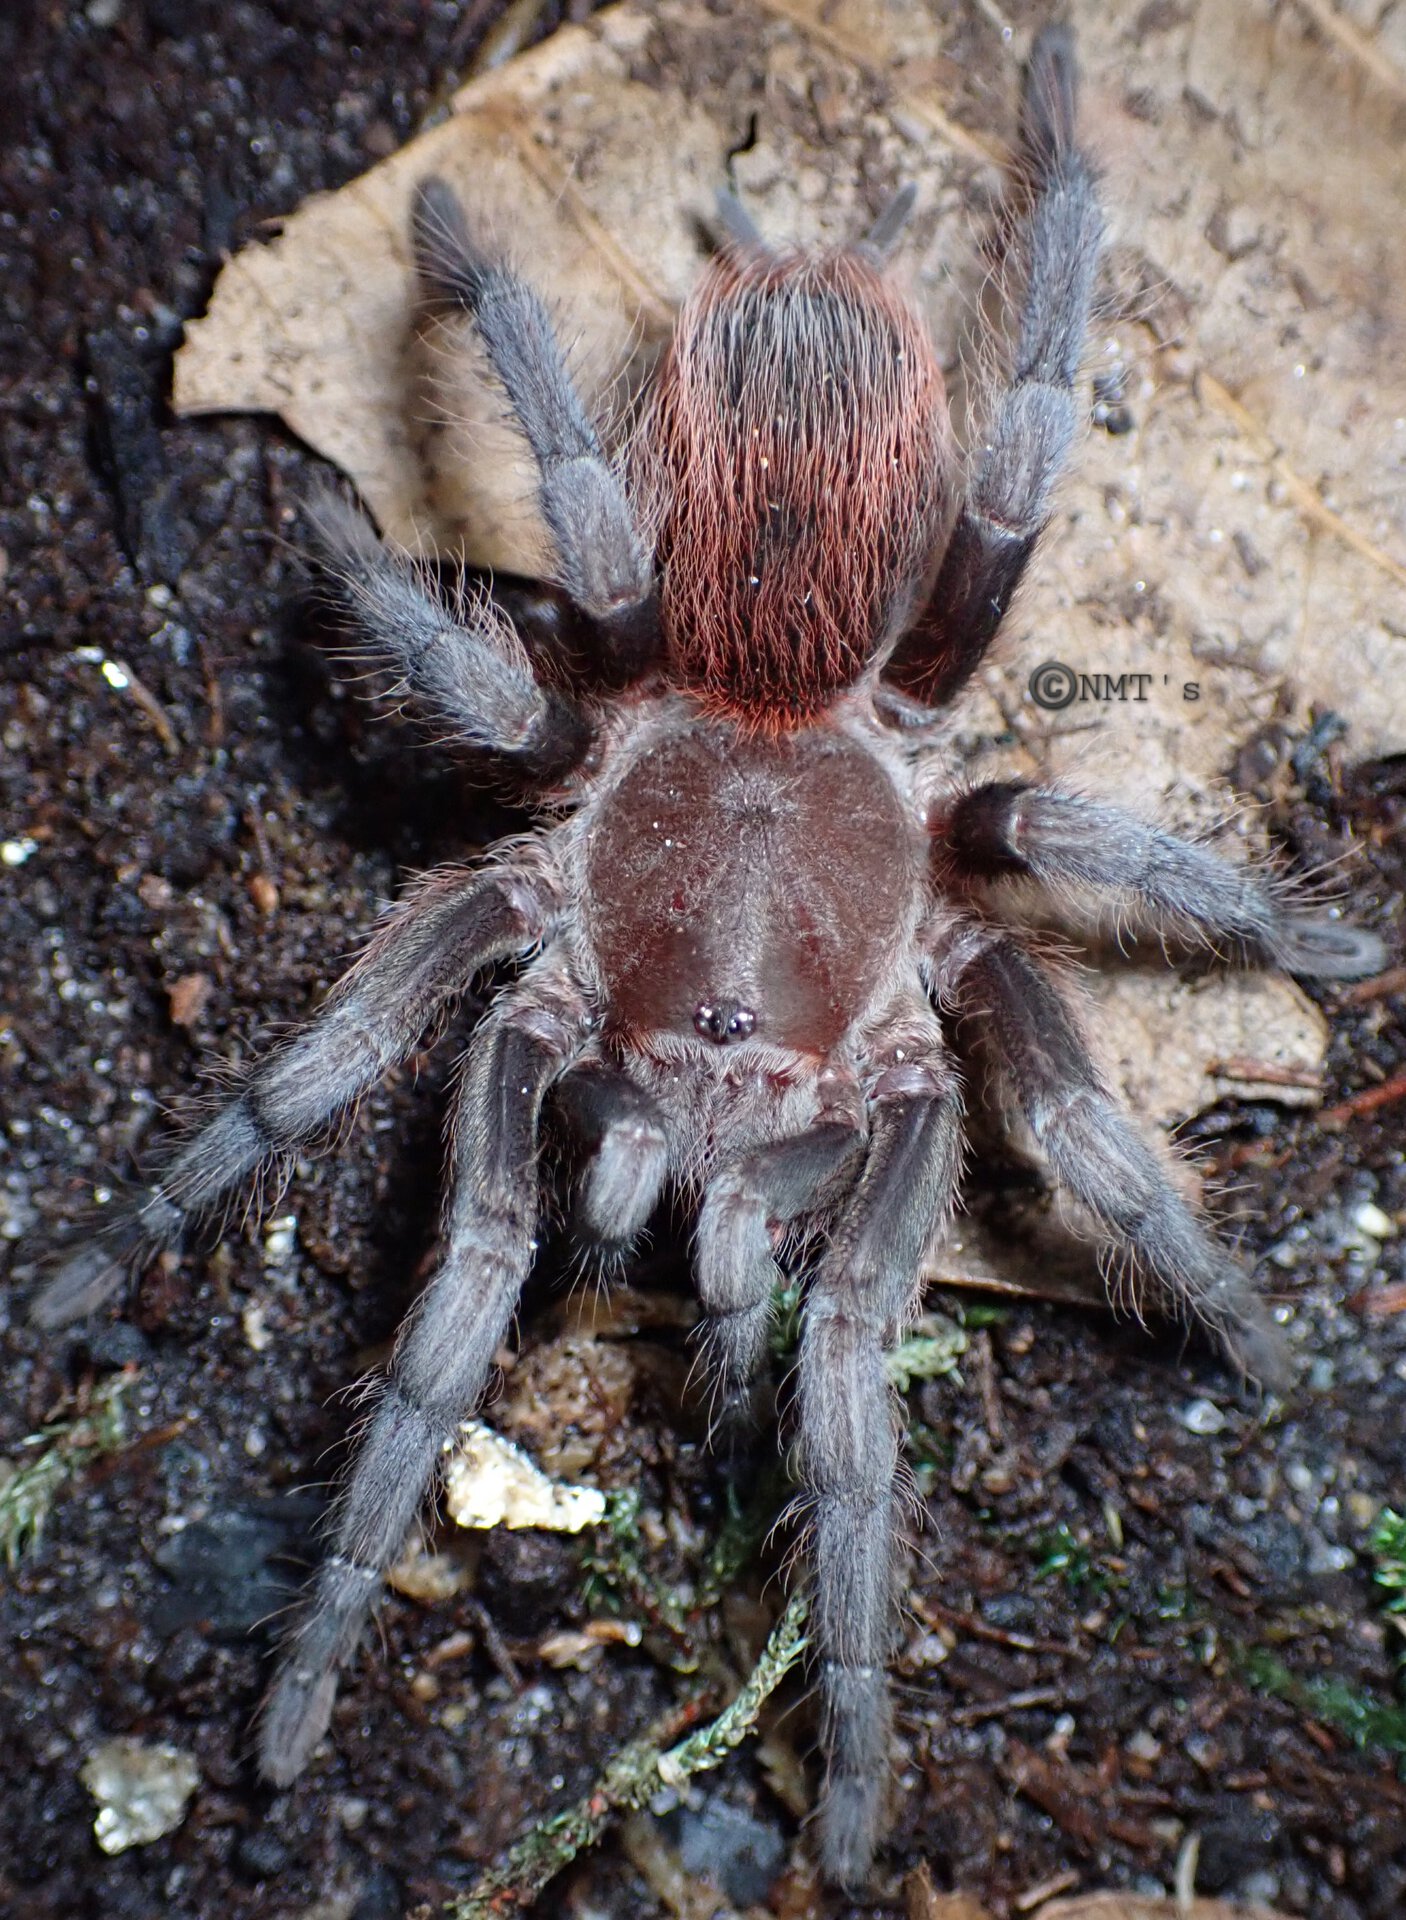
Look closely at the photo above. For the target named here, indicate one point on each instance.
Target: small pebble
(1326, 1556)
(142, 1791)
(490, 1483)
(1370, 1219)
(1202, 1416)
(352, 1811)
(429, 1578)
(737, 1852)
(255, 1331)
(280, 1240)
(189, 997)
(260, 1855)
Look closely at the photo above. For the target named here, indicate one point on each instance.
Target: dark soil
(211, 835)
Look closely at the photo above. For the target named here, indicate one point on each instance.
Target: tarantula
(760, 927)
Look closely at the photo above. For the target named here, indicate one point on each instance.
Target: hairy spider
(760, 926)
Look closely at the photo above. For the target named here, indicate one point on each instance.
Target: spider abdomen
(749, 889)
(795, 457)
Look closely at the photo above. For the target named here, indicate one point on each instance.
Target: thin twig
(1367, 1101)
(979, 1710)
(633, 1778)
(1266, 1073)
(979, 1629)
(1379, 987)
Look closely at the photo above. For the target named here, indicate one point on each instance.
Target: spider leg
(884, 233)
(1036, 420)
(739, 229)
(745, 1204)
(622, 1131)
(466, 670)
(1020, 1022)
(604, 564)
(436, 939)
(866, 1286)
(442, 1356)
(1060, 840)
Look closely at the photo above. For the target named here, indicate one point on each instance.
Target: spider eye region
(724, 1021)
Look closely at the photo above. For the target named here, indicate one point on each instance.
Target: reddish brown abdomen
(734, 876)
(794, 458)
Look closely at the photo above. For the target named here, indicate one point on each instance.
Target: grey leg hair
(744, 1207)
(867, 1285)
(1020, 1023)
(622, 1130)
(1060, 840)
(430, 947)
(1028, 440)
(603, 562)
(442, 1357)
(465, 671)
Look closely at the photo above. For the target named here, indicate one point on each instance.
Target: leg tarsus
(1049, 99)
(465, 670)
(1027, 442)
(883, 234)
(748, 1203)
(859, 1737)
(739, 228)
(1011, 829)
(297, 1709)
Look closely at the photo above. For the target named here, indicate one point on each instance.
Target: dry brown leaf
(1136, 1906)
(922, 1901)
(1249, 536)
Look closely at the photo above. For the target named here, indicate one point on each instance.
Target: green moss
(931, 1350)
(1060, 1551)
(1366, 1720)
(46, 1461)
(1387, 1547)
(983, 1313)
(620, 1578)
